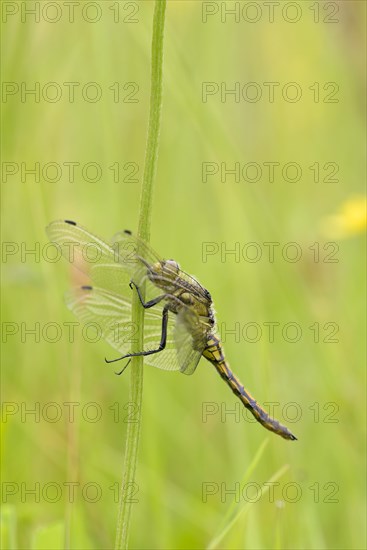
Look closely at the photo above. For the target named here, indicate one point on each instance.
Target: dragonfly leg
(161, 346)
(122, 370)
(149, 304)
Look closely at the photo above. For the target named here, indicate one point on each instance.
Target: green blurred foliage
(180, 452)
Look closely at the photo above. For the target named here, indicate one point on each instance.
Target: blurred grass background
(180, 452)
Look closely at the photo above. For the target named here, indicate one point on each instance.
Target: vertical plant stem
(136, 370)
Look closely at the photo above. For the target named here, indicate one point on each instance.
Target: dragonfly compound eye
(171, 268)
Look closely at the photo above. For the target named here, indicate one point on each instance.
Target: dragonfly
(179, 318)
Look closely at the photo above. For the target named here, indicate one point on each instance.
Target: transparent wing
(112, 314)
(111, 266)
(107, 267)
(189, 340)
(125, 240)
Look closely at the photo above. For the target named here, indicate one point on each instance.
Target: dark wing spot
(70, 222)
(86, 287)
(127, 231)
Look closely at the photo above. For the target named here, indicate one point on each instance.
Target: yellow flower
(351, 219)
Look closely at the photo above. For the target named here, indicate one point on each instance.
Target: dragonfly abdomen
(214, 353)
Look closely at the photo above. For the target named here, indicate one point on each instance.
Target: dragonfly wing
(189, 340)
(91, 255)
(109, 313)
(125, 240)
(112, 315)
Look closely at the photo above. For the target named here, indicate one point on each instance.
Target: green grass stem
(136, 381)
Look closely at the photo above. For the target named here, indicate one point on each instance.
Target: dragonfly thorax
(163, 274)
